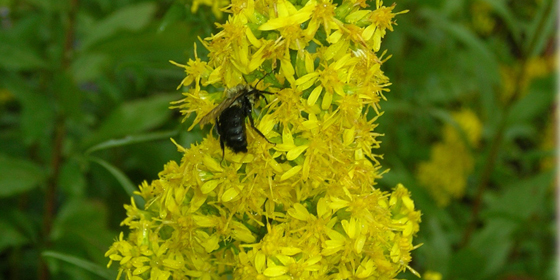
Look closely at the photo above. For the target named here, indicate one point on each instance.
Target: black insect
(230, 117)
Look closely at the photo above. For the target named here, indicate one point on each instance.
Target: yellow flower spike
(348, 136)
(291, 173)
(327, 100)
(309, 65)
(314, 95)
(311, 77)
(197, 201)
(359, 244)
(253, 40)
(318, 63)
(287, 69)
(334, 37)
(365, 269)
(230, 194)
(296, 152)
(274, 164)
(204, 221)
(299, 212)
(289, 15)
(275, 271)
(212, 164)
(209, 186)
(357, 16)
(377, 36)
(290, 251)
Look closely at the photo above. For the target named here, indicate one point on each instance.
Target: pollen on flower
(301, 203)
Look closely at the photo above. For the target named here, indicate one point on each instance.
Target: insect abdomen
(231, 127)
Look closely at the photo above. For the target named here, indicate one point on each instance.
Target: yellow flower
(217, 6)
(451, 161)
(305, 205)
(432, 275)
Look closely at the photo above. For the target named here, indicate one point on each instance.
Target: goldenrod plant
(451, 160)
(302, 203)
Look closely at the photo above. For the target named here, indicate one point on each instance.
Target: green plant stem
(50, 197)
(57, 153)
(497, 140)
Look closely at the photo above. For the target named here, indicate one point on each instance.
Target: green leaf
(466, 264)
(514, 203)
(72, 178)
(11, 236)
(132, 139)
(539, 98)
(130, 18)
(89, 66)
(501, 9)
(134, 117)
(18, 175)
(446, 117)
(18, 55)
(38, 116)
(69, 96)
(84, 264)
(494, 241)
(437, 246)
(541, 29)
(126, 184)
(174, 14)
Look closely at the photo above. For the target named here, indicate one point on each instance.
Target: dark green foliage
(85, 88)
(84, 95)
(442, 63)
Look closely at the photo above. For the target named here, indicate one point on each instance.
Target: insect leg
(256, 129)
(222, 142)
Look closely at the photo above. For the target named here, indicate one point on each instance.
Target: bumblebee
(230, 117)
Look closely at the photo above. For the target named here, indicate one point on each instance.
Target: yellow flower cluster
(483, 21)
(216, 5)
(451, 162)
(534, 68)
(303, 206)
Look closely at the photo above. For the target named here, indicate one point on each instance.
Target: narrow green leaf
(502, 10)
(18, 56)
(132, 139)
(513, 203)
(541, 29)
(446, 117)
(494, 241)
(38, 116)
(539, 98)
(89, 66)
(69, 96)
(84, 264)
(126, 184)
(72, 179)
(466, 264)
(130, 18)
(133, 117)
(18, 175)
(11, 236)
(174, 14)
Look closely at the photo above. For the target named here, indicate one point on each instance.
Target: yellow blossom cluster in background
(483, 21)
(534, 68)
(304, 206)
(432, 275)
(451, 160)
(216, 5)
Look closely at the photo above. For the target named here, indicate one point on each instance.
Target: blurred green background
(469, 128)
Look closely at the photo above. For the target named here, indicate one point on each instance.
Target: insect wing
(220, 108)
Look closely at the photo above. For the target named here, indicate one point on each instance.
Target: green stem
(490, 162)
(57, 156)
